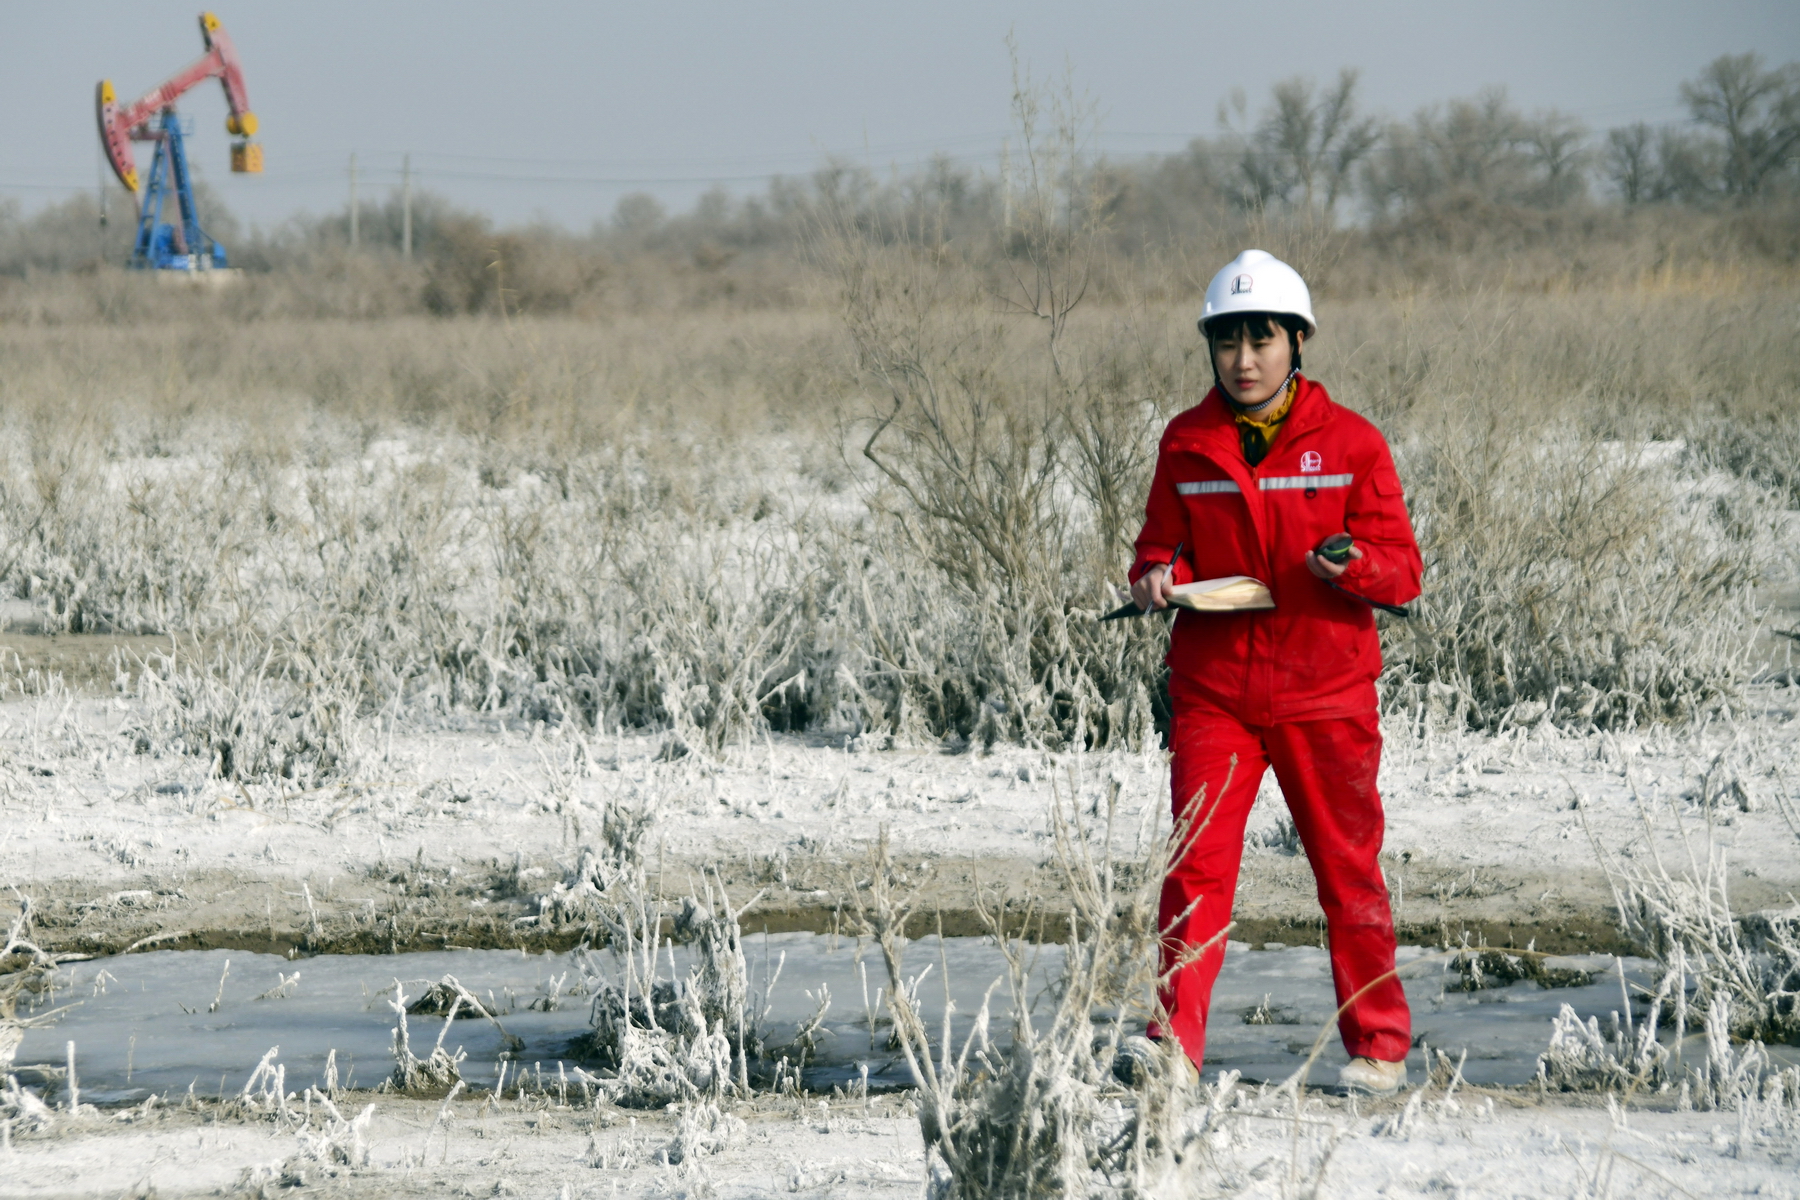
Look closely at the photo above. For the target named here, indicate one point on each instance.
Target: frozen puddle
(148, 1022)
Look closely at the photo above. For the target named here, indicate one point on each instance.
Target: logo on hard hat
(1310, 462)
(1241, 285)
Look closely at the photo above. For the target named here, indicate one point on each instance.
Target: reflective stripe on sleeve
(1205, 488)
(1281, 483)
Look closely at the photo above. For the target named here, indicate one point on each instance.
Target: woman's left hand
(1328, 570)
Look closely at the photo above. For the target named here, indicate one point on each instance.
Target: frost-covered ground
(1470, 1143)
(450, 835)
(453, 835)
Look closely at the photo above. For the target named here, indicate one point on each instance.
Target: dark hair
(1257, 325)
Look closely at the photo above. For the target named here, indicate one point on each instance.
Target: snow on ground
(1483, 831)
(1472, 1143)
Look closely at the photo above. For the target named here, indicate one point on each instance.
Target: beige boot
(1372, 1077)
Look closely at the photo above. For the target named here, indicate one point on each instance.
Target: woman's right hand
(1152, 589)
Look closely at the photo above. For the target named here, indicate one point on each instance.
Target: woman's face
(1251, 368)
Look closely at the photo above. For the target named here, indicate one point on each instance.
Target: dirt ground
(86, 663)
(266, 912)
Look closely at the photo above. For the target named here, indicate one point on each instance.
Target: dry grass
(890, 507)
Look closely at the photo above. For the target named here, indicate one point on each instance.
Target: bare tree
(1058, 212)
(1630, 162)
(1650, 166)
(638, 215)
(1557, 144)
(1305, 144)
(1757, 111)
(1481, 148)
(1689, 167)
(1478, 146)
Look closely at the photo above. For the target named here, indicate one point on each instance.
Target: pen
(1130, 607)
(1169, 567)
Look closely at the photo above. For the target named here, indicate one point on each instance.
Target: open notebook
(1232, 593)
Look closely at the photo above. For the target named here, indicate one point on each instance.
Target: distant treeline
(1471, 191)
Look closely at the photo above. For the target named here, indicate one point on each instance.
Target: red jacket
(1316, 653)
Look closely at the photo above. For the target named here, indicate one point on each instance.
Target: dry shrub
(1567, 579)
(331, 1145)
(254, 721)
(24, 967)
(667, 1040)
(439, 1070)
(971, 437)
(1763, 449)
(1014, 440)
(1585, 561)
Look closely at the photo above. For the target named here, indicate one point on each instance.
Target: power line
(1188, 142)
(812, 156)
(807, 160)
(1191, 144)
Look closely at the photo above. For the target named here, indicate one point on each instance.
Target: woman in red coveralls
(1251, 482)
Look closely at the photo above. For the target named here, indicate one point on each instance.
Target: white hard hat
(1257, 281)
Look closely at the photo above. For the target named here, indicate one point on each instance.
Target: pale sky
(556, 108)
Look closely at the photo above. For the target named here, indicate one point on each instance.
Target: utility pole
(406, 208)
(353, 212)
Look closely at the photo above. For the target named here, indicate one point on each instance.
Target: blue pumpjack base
(160, 245)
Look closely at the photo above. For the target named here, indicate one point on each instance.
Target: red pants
(1326, 770)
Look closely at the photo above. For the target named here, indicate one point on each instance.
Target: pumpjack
(184, 245)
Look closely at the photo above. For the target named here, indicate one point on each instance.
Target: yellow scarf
(1257, 434)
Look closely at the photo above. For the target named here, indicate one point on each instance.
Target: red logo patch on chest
(1311, 463)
